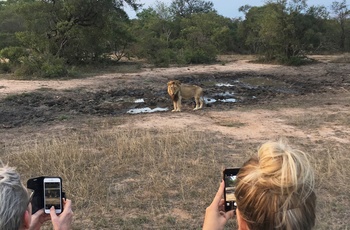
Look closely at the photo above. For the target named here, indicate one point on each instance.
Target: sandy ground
(256, 124)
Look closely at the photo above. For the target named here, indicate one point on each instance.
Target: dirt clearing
(239, 96)
(246, 105)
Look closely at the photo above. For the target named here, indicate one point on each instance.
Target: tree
(282, 30)
(164, 38)
(185, 8)
(249, 29)
(70, 31)
(154, 34)
(342, 13)
(77, 29)
(10, 23)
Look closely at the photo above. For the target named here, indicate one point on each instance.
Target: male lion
(177, 91)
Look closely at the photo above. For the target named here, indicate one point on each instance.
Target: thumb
(53, 213)
(38, 213)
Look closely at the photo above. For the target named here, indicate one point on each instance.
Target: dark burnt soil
(246, 88)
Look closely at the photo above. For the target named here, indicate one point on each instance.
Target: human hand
(215, 215)
(65, 219)
(38, 219)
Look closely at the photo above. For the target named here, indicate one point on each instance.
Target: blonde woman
(274, 190)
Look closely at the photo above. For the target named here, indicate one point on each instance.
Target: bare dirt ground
(246, 104)
(54, 106)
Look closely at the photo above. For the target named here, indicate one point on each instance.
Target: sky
(229, 8)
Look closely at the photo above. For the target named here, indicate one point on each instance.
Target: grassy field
(137, 179)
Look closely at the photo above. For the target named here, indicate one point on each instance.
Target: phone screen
(52, 195)
(230, 178)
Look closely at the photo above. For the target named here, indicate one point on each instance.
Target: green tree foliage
(185, 8)
(165, 37)
(249, 29)
(199, 31)
(342, 15)
(281, 30)
(153, 36)
(10, 22)
(75, 31)
(78, 30)
(45, 37)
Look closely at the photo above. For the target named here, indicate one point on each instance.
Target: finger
(38, 213)
(53, 213)
(219, 194)
(222, 205)
(222, 202)
(67, 204)
(42, 215)
(45, 217)
(230, 214)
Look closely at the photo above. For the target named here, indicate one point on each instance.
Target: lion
(177, 91)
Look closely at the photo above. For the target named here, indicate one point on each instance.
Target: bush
(164, 58)
(53, 68)
(284, 60)
(200, 56)
(13, 54)
(42, 65)
(5, 67)
(29, 66)
(295, 61)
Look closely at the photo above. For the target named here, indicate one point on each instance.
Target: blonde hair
(275, 190)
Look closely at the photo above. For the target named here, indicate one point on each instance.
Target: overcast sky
(229, 8)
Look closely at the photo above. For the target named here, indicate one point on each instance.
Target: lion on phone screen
(177, 91)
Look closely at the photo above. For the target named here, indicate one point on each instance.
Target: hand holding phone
(53, 194)
(230, 178)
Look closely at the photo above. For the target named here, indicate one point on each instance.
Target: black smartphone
(53, 194)
(47, 193)
(230, 178)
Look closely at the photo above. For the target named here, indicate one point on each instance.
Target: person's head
(275, 190)
(14, 200)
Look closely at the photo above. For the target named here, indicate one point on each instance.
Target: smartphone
(53, 194)
(230, 178)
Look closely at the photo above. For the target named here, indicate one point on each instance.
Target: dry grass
(137, 179)
(331, 164)
(154, 179)
(130, 179)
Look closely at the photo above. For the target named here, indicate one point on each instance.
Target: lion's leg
(179, 104)
(201, 100)
(175, 106)
(199, 103)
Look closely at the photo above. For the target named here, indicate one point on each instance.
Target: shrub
(164, 58)
(53, 68)
(5, 67)
(29, 66)
(295, 60)
(199, 56)
(42, 65)
(13, 54)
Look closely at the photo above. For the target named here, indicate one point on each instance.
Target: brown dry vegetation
(161, 170)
